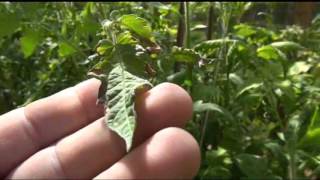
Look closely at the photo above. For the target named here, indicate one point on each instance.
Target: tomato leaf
(137, 24)
(121, 91)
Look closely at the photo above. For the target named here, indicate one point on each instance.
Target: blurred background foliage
(252, 70)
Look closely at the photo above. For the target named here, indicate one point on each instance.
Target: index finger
(26, 130)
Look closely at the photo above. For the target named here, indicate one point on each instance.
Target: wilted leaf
(121, 91)
(137, 24)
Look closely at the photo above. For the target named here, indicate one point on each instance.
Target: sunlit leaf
(299, 67)
(286, 45)
(244, 30)
(267, 53)
(137, 24)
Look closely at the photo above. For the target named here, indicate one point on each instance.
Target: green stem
(181, 33)
(187, 45)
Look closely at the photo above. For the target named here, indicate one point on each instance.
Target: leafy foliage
(254, 82)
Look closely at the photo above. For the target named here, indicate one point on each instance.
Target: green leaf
(311, 139)
(199, 27)
(251, 165)
(248, 88)
(286, 45)
(29, 42)
(199, 106)
(299, 67)
(103, 46)
(65, 49)
(267, 53)
(9, 22)
(137, 24)
(244, 30)
(208, 46)
(127, 54)
(180, 54)
(313, 132)
(121, 91)
(177, 77)
(236, 79)
(125, 38)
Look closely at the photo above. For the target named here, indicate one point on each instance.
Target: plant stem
(181, 26)
(187, 42)
(209, 36)
(210, 22)
(187, 24)
(180, 33)
(204, 128)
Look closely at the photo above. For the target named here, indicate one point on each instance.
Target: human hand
(59, 137)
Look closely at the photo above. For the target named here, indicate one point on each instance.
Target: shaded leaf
(121, 90)
(65, 49)
(9, 22)
(251, 165)
(29, 42)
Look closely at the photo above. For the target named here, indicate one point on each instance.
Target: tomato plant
(254, 81)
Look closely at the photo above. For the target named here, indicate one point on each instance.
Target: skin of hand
(65, 136)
